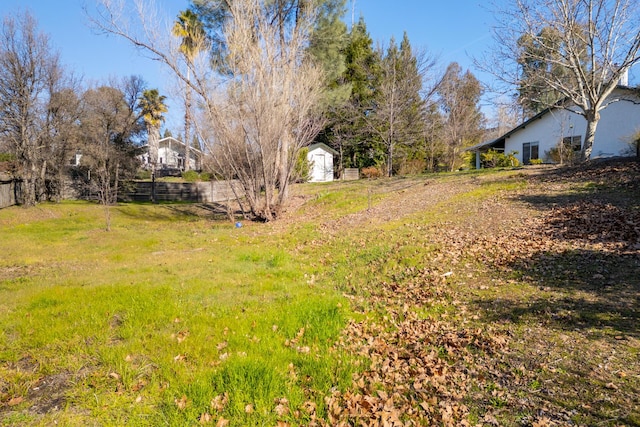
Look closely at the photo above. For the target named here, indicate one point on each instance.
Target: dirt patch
(48, 394)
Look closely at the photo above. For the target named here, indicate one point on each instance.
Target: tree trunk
(114, 198)
(187, 122)
(593, 117)
(29, 186)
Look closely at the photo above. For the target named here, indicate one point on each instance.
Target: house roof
(325, 147)
(172, 139)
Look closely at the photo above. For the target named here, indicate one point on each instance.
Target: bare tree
(459, 95)
(110, 122)
(399, 112)
(29, 70)
(63, 137)
(595, 43)
(261, 110)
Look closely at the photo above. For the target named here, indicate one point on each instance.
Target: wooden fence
(9, 188)
(350, 174)
(199, 192)
(139, 191)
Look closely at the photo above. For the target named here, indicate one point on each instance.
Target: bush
(7, 157)
(496, 159)
(412, 167)
(536, 161)
(302, 168)
(143, 174)
(563, 154)
(190, 176)
(371, 172)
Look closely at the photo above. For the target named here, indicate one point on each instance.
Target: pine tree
(398, 118)
(348, 130)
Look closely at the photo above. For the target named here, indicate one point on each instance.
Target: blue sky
(453, 30)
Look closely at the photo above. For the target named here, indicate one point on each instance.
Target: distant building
(171, 155)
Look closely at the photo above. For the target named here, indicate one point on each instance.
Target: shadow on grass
(594, 281)
(176, 211)
(578, 290)
(612, 181)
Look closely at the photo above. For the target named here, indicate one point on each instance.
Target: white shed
(619, 124)
(320, 157)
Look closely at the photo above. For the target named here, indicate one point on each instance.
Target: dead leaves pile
(420, 367)
(595, 222)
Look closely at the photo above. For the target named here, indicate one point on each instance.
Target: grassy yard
(113, 328)
(493, 298)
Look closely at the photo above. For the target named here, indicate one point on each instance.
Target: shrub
(7, 157)
(536, 161)
(371, 172)
(143, 174)
(190, 176)
(302, 168)
(563, 154)
(412, 167)
(496, 159)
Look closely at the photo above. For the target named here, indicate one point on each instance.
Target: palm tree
(152, 107)
(190, 29)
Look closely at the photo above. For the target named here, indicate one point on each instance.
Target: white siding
(618, 123)
(322, 165)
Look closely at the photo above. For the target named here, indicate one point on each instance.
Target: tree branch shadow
(578, 290)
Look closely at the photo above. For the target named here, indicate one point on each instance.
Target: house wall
(322, 165)
(618, 123)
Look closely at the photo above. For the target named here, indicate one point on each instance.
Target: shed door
(319, 167)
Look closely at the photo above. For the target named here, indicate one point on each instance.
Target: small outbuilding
(320, 157)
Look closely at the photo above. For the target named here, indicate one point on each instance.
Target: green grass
(166, 304)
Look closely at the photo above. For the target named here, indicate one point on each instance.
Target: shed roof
(325, 147)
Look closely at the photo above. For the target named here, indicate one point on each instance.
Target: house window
(574, 142)
(530, 151)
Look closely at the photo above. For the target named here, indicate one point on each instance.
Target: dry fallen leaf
(15, 401)
(205, 418)
(182, 402)
(219, 402)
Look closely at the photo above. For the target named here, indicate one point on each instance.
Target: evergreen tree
(327, 46)
(189, 28)
(348, 131)
(539, 57)
(398, 118)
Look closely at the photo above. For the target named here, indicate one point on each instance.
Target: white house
(536, 137)
(171, 155)
(320, 157)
